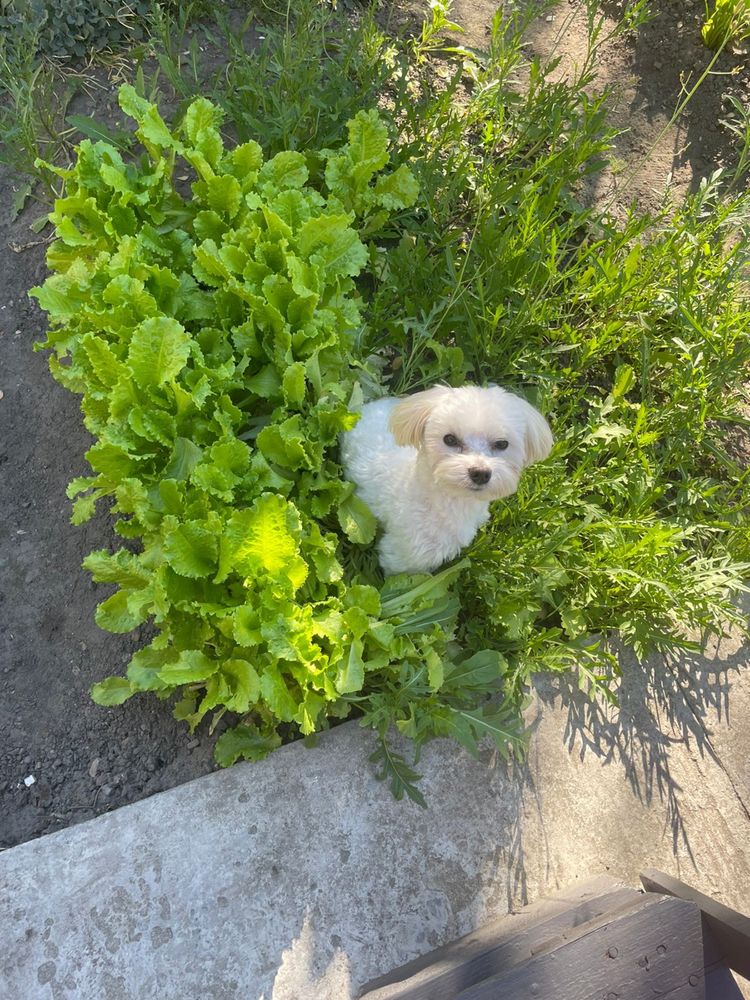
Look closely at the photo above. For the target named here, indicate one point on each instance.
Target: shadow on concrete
(664, 703)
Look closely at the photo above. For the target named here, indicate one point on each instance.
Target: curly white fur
(428, 466)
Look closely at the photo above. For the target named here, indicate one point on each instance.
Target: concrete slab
(250, 881)
(300, 878)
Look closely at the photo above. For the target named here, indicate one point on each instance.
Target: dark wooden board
(500, 945)
(729, 929)
(720, 984)
(651, 950)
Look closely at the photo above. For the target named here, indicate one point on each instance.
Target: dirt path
(84, 759)
(650, 73)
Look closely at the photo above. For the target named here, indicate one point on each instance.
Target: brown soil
(84, 759)
(650, 72)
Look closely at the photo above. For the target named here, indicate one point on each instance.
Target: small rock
(193, 744)
(106, 791)
(93, 767)
(42, 794)
(29, 781)
(658, 65)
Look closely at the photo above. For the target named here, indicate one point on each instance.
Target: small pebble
(29, 781)
(193, 744)
(94, 767)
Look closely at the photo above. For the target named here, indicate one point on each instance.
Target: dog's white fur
(419, 487)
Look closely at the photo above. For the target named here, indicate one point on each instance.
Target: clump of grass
(631, 335)
(33, 99)
(38, 82)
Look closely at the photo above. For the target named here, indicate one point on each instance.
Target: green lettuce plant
(203, 305)
(728, 21)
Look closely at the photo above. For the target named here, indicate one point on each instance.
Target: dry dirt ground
(86, 760)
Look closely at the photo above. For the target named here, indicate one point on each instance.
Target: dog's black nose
(479, 476)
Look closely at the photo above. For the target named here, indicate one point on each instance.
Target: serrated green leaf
(114, 615)
(435, 671)
(144, 667)
(294, 384)
(243, 742)
(333, 245)
(191, 665)
(351, 675)
(120, 567)
(185, 456)
(265, 383)
(291, 207)
(224, 195)
(244, 684)
(368, 140)
(83, 509)
(19, 199)
(131, 103)
(277, 696)
(112, 691)
(357, 520)
(263, 539)
(158, 351)
(192, 550)
(105, 364)
(246, 158)
(201, 114)
(397, 190)
(287, 169)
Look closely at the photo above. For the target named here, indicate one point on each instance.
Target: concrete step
(299, 877)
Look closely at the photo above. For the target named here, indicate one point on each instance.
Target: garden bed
(85, 759)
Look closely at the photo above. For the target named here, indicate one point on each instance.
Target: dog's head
(477, 441)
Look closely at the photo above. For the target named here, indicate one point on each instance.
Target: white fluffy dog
(428, 466)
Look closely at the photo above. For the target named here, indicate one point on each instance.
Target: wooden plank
(498, 946)
(721, 984)
(730, 929)
(652, 950)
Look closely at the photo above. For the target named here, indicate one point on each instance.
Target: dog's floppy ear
(409, 416)
(538, 439)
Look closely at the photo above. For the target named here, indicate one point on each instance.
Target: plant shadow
(664, 704)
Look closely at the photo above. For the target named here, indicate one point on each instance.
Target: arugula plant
(208, 327)
(632, 335)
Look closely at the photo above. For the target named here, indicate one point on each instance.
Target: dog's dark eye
(500, 445)
(451, 440)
